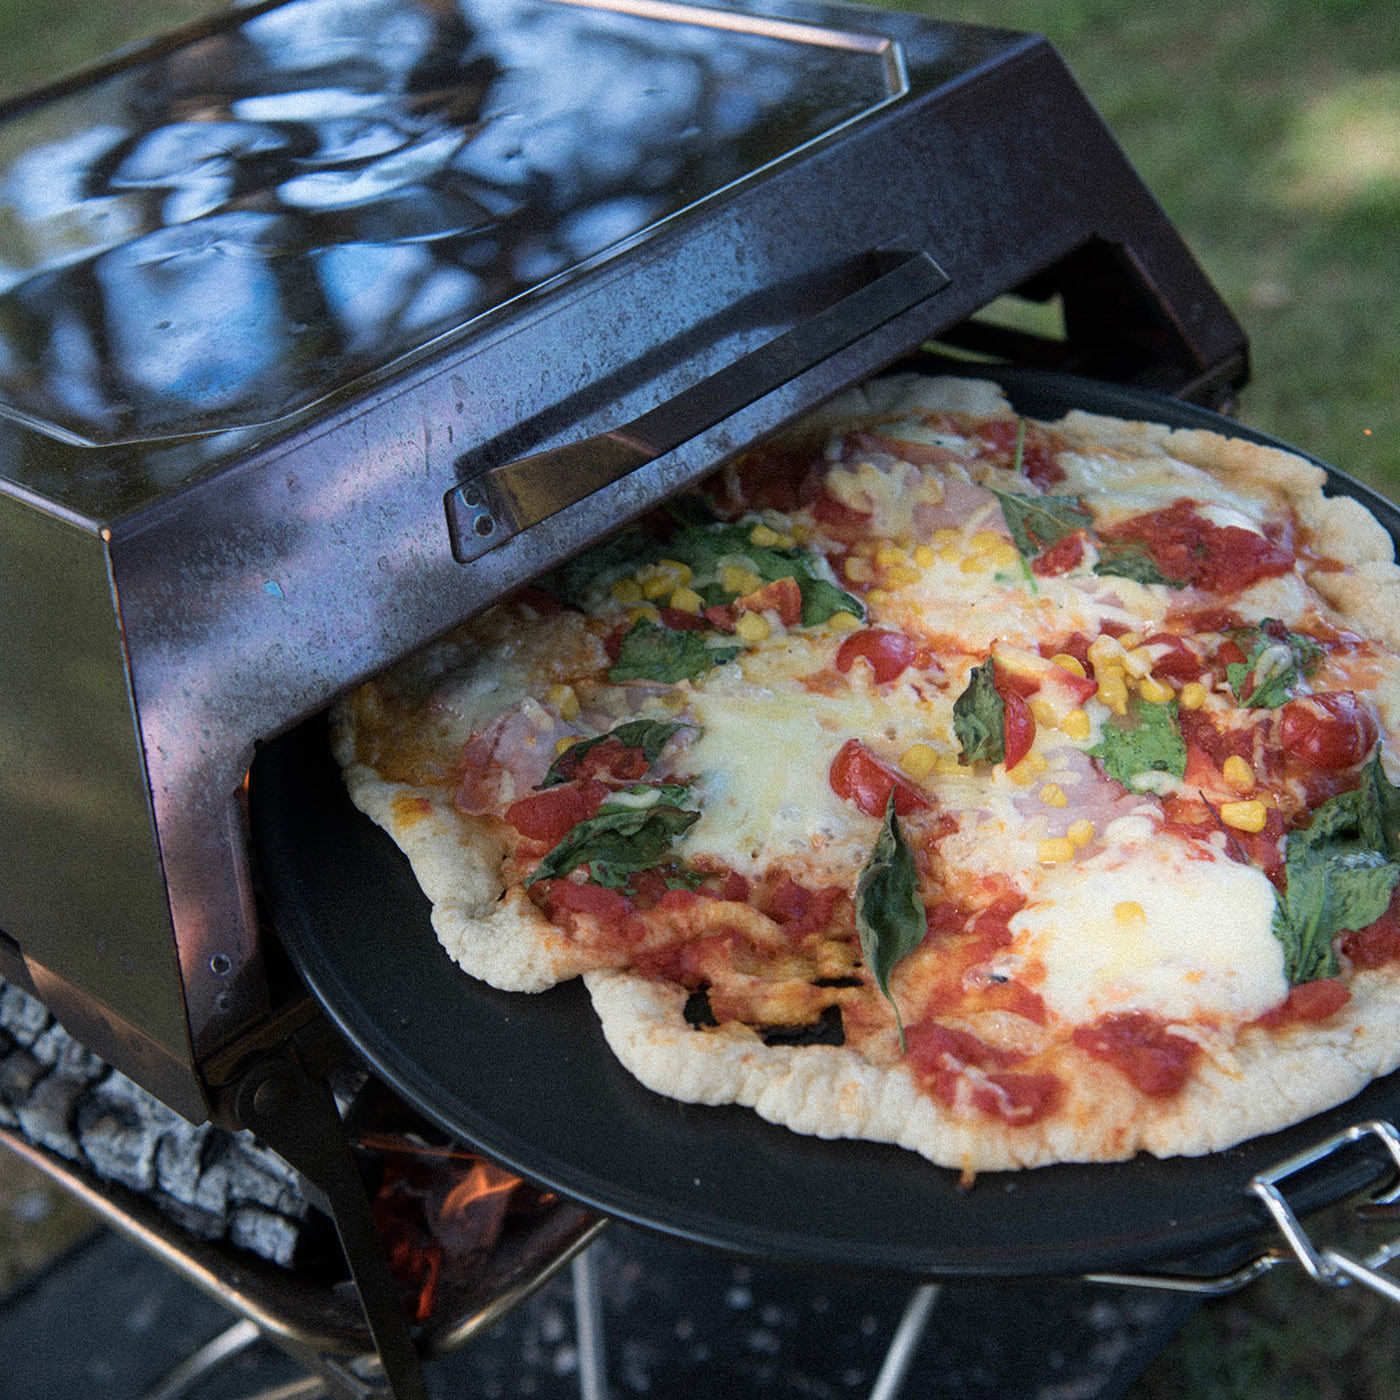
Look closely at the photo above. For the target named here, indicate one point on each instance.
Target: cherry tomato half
(857, 776)
(1329, 731)
(887, 652)
(1018, 726)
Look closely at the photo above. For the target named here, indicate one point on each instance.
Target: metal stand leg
(295, 1115)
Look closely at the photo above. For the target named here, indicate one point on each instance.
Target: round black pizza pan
(530, 1081)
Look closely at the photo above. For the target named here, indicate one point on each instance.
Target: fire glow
(437, 1208)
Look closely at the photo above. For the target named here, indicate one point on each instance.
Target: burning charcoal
(180, 1161)
(47, 1115)
(257, 1174)
(264, 1232)
(204, 1224)
(18, 1076)
(21, 1014)
(54, 1046)
(120, 1127)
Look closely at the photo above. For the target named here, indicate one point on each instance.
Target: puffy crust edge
(1268, 1082)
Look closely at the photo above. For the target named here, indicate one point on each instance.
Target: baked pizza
(1015, 792)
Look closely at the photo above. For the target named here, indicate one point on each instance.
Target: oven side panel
(81, 888)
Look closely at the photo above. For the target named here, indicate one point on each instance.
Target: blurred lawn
(1270, 131)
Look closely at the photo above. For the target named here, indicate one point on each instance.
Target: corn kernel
(1055, 850)
(1077, 724)
(751, 628)
(925, 557)
(857, 570)
(1080, 833)
(1245, 816)
(877, 597)
(1023, 775)
(564, 700)
(1113, 689)
(902, 575)
(844, 622)
(657, 587)
(734, 578)
(1069, 663)
(919, 760)
(766, 537)
(626, 591)
(1002, 556)
(1105, 651)
(1154, 691)
(946, 536)
(1043, 712)
(800, 533)
(686, 600)
(973, 564)
(983, 540)
(1053, 795)
(1238, 773)
(1129, 640)
(949, 554)
(1137, 662)
(1037, 762)
(643, 614)
(1193, 695)
(1129, 911)
(564, 744)
(889, 554)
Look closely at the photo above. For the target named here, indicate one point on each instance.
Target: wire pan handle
(1326, 1266)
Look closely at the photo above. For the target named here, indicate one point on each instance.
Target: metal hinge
(1326, 1266)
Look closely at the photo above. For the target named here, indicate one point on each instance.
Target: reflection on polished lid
(228, 233)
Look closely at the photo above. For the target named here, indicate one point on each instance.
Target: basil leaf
(620, 840)
(702, 547)
(889, 912)
(1272, 667)
(1131, 559)
(822, 600)
(979, 717)
(1146, 740)
(1341, 870)
(652, 653)
(1378, 809)
(575, 580)
(1038, 523)
(649, 735)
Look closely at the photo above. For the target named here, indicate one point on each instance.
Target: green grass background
(1270, 131)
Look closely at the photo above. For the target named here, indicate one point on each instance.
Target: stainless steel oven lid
(530, 1080)
(232, 230)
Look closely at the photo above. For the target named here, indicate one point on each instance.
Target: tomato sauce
(1308, 1002)
(1143, 1049)
(1188, 548)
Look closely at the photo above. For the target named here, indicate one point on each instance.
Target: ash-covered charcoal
(217, 1184)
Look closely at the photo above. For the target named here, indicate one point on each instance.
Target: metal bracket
(295, 1115)
(1328, 1267)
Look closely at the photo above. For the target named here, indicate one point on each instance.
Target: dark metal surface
(530, 1080)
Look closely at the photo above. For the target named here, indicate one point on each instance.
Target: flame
(435, 1204)
(472, 1211)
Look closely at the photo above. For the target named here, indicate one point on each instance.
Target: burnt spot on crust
(697, 1012)
(827, 1029)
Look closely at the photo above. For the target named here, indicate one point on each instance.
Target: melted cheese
(1115, 489)
(1151, 924)
(763, 756)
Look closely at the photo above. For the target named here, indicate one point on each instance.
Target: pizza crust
(1265, 1083)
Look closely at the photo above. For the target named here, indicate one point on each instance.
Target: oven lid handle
(496, 505)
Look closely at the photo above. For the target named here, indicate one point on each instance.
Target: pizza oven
(324, 324)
